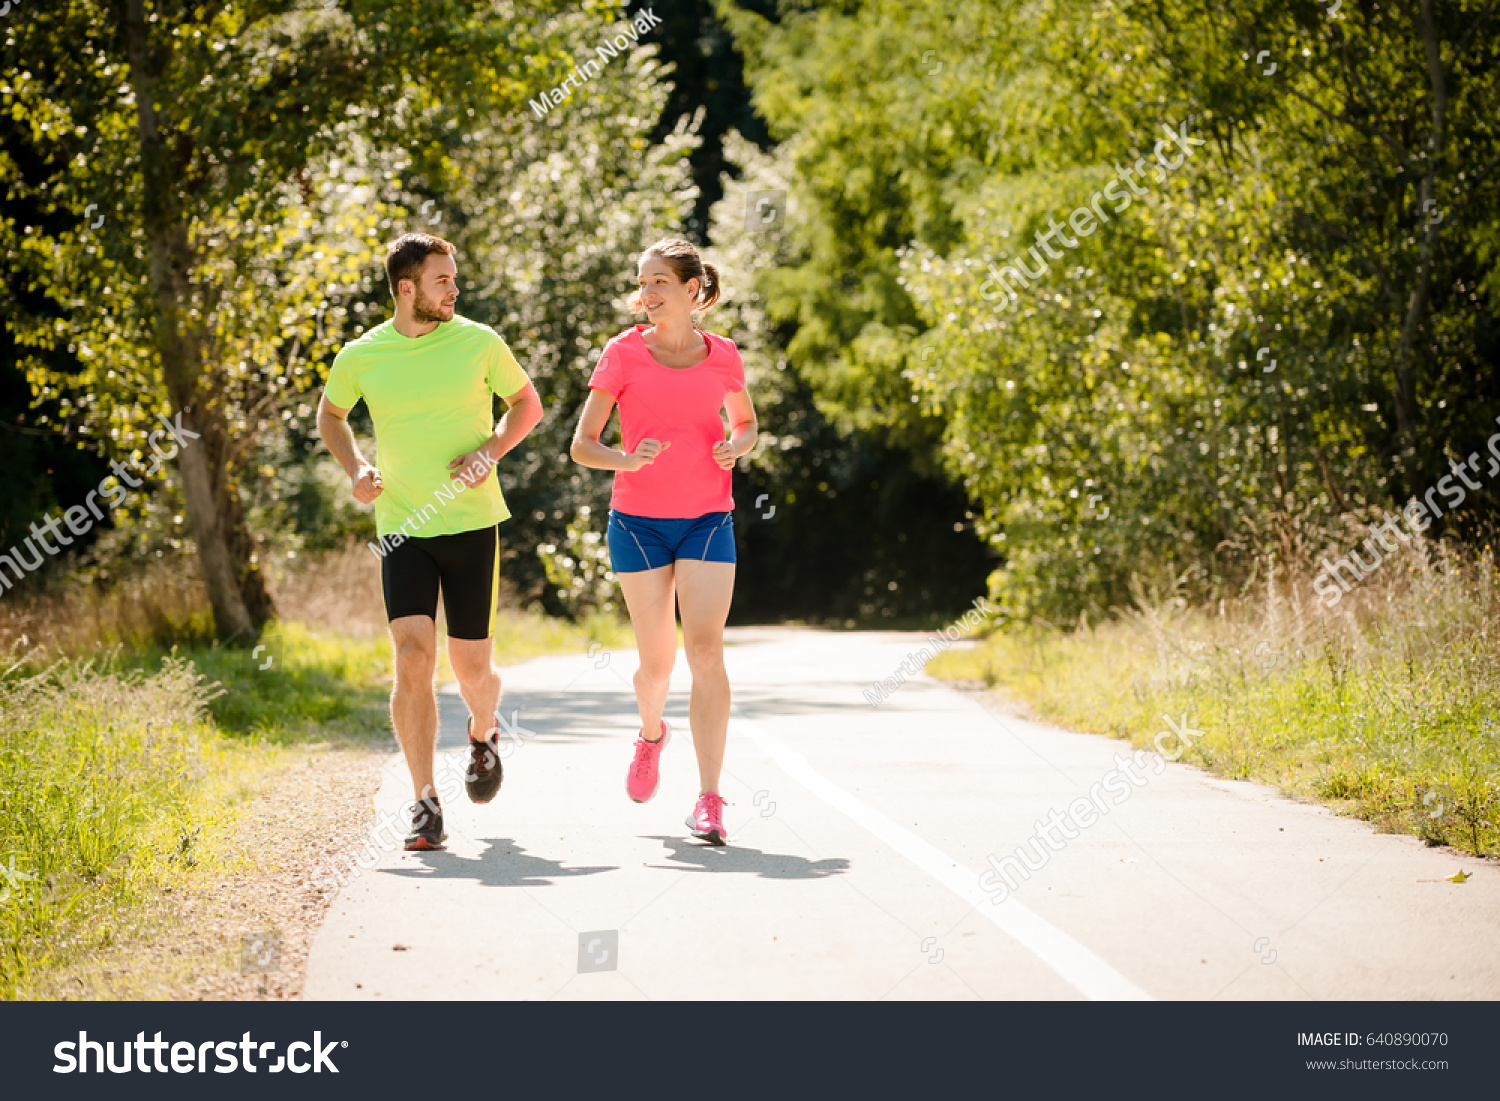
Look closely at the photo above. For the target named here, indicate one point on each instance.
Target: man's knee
(473, 670)
(416, 661)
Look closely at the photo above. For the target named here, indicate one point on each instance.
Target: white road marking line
(1079, 967)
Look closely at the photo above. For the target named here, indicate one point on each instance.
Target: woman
(671, 527)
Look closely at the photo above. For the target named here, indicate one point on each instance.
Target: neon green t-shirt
(429, 397)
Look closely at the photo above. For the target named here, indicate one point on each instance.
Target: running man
(671, 518)
(427, 378)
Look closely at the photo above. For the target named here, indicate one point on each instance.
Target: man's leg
(478, 681)
(414, 700)
(648, 598)
(469, 565)
(704, 593)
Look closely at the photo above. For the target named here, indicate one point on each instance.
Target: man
(427, 377)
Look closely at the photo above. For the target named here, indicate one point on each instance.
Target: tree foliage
(231, 151)
(1119, 415)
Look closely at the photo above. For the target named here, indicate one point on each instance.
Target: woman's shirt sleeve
(609, 372)
(734, 371)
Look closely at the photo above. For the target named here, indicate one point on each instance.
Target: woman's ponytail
(708, 292)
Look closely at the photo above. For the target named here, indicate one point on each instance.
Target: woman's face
(662, 293)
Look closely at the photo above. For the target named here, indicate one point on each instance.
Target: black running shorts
(467, 568)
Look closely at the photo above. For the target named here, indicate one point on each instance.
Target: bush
(579, 569)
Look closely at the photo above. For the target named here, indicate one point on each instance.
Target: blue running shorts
(639, 543)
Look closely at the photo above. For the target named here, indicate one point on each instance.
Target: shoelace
(480, 750)
(642, 769)
(713, 804)
(479, 753)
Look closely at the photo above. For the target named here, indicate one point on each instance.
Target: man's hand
(724, 454)
(645, 453)
(465, 463)
(367, 484)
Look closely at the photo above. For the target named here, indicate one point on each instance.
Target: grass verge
(123, 779)
(107, 784)
(1386, 709)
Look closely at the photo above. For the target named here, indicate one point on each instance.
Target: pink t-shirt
(678, 404)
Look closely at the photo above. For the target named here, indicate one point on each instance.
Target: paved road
(859, 836)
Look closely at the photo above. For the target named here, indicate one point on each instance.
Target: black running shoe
(426, 826)
(483, 776)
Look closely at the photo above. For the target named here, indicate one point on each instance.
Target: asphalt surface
(860, 837)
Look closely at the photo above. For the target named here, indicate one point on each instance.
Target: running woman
(427, 377)
(671, 527)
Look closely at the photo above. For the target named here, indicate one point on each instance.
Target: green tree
(1341, 216)
(201, 133)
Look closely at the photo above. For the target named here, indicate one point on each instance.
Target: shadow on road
(734, 859)
(551, 717)
(502, 864)
(603, 713)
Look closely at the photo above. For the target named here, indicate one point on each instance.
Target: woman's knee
(653, 676)
(704, 653)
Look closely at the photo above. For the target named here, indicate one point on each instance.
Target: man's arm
(333, 426)
(524, 414)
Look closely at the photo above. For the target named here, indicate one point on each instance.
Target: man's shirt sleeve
(506, 377)
(342, 388)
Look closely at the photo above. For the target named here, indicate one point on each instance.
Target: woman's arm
(742, 430)
(588, 451)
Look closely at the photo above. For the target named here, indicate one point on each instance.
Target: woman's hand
(724, 454)
(645, 453)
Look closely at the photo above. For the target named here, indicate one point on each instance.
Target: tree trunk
(230, 514)
(1407, 414)
(215, 514)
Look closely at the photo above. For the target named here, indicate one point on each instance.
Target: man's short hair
(405, 257)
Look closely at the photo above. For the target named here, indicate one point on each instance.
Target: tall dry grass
(160, 603)
(336, 590)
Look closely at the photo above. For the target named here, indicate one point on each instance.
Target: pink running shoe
(707, 819)
(645, 774)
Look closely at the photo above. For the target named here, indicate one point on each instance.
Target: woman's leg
(648, 597)
(704, 592)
